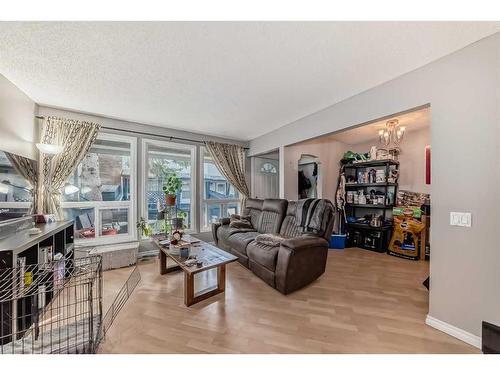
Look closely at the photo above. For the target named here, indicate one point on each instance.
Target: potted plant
(173, 185)
(178, 222)
(143, 228)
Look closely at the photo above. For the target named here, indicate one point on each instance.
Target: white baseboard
(456, 332)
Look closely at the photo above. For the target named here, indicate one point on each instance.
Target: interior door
(266, 180)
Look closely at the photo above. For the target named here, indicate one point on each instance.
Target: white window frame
(15, 205)
(103, 205)
(144, 175)
(205, 202)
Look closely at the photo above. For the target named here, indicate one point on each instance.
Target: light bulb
(381, 132)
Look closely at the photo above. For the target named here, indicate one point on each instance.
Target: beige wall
(18, 132)
(329, 154)
(463, 90)
(411, 159)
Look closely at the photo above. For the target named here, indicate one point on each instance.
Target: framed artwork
(427, 165)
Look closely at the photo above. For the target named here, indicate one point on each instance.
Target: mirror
(308, 170)
(15, 188)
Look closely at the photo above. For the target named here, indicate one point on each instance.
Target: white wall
(18, 132)
(411, 159)
(463, 90)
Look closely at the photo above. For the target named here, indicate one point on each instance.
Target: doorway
(265, 181)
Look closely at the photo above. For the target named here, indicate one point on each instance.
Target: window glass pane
(113, 221)
(215, 186)
(103, 174)
(13, 186)
(164, 162)
(213, 212)
(84, 221)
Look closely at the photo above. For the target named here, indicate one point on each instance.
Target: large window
(220, 198)
(15, 191)
(162, 160)
(100, 195)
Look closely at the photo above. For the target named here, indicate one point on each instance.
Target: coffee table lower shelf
(190, 297)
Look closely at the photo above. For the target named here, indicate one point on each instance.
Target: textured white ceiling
(232, 79)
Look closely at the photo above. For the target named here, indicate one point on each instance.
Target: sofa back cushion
(289, 228)
(253, 208)
(273, 213)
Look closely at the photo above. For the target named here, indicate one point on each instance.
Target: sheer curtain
(53, 170)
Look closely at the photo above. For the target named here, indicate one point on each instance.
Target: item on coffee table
(176, 237)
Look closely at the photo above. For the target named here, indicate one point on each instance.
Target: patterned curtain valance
(76, 137)
(230, 161)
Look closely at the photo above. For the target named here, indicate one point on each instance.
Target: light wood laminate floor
(364, 303)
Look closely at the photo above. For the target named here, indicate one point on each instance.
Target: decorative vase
(170, 199)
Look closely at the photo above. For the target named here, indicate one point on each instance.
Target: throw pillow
(240, 222)
(269, 239)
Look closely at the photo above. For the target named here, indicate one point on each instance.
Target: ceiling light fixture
(393, 133)
(49, 149)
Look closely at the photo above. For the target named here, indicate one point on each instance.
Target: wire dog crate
(52, 307)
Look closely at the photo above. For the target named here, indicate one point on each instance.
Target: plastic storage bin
(337, 241)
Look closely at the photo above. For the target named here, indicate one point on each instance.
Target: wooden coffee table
(211, 256)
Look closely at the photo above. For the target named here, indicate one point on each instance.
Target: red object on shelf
(428, 165)
(109, 232)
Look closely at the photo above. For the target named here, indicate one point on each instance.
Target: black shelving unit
(361, 234)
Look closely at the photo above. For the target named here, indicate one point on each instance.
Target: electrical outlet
(461, 219)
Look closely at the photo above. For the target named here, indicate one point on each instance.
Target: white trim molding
(456, 332)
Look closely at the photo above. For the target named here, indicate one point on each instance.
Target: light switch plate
(461, 219)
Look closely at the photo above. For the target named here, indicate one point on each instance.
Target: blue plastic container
(337, 241)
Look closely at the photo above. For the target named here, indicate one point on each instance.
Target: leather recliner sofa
(296, 262)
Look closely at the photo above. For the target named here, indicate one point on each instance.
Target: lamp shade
(49, 149)
(70, 189)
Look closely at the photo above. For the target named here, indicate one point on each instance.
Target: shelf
(373, 184)
(368, 226)
(372, 163)
(381, 206)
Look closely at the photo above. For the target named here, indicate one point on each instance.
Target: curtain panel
(29, 170)
(230, 161)
(54, 170)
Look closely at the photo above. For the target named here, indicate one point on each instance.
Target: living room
(165, 187)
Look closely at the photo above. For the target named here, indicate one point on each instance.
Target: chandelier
(393, 133)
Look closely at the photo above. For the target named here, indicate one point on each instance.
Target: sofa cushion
(253, 208)
(265, 255)
(239, 241)
(273, 212)
(289, 228)
(224, 231)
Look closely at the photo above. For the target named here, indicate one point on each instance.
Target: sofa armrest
(304, 242)
(215, 226)
(301, 260)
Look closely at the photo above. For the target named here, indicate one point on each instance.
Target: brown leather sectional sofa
(298, 261)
